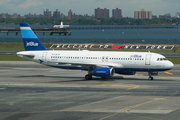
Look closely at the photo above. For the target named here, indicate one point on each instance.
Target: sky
(22, 7)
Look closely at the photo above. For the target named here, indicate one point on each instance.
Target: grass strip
(11, 58)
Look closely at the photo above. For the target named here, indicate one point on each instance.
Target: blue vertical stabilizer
(30, 40)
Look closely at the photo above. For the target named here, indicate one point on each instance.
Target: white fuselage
(136, 61)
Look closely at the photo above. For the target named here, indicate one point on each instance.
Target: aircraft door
(148, 59)
(44, 56)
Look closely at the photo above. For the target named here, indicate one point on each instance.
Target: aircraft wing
(93, 65)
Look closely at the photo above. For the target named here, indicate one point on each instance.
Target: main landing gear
(89, 75)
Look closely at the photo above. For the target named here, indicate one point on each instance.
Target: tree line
(86, 21)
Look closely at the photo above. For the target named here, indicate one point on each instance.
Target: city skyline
(98, 14)
(22, 7)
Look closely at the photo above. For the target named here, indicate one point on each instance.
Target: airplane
(61, 26)
(102, 64)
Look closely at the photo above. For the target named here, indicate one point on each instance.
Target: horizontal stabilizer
(25, 54)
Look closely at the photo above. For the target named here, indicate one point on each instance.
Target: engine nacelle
(126, 72)
(103, 72)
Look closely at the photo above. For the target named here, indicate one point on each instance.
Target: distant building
(106, 13)
(165, 16)
(5, 15)
(161, 16)
(143, 14)
(98, 13)
(47, 13)
(62, 15)
(15, 15)
(57, 14)
(70, 14)
(117, 13)
(154, 17)
(34, 15)
(177, 15)
(101, 13)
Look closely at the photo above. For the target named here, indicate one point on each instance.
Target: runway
(33, 91)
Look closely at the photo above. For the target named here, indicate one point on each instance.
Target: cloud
(4, 2)
(30, 3)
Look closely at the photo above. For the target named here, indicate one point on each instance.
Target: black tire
(88, 77)
(150, 78)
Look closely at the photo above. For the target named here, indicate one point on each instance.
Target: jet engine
(103, 72)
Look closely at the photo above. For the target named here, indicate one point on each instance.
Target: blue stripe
(116, 69)
(28, 34)
(138, 69)
(24, 25)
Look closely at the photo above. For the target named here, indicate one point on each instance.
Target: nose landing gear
(150, 78)
(152, 73)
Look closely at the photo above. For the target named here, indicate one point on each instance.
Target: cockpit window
(161, 59)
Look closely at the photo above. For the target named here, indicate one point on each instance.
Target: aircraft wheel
(150, 78)
(88, 77)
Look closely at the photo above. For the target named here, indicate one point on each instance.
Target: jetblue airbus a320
(98, 63)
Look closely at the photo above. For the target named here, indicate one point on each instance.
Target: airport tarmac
(32, 91)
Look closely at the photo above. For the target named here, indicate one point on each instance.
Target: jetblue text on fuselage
(136, 56)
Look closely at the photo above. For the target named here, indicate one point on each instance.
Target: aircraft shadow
(93, 79)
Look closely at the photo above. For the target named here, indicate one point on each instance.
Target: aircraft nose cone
(170, 65)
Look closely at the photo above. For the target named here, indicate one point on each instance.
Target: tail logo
(31, 44)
